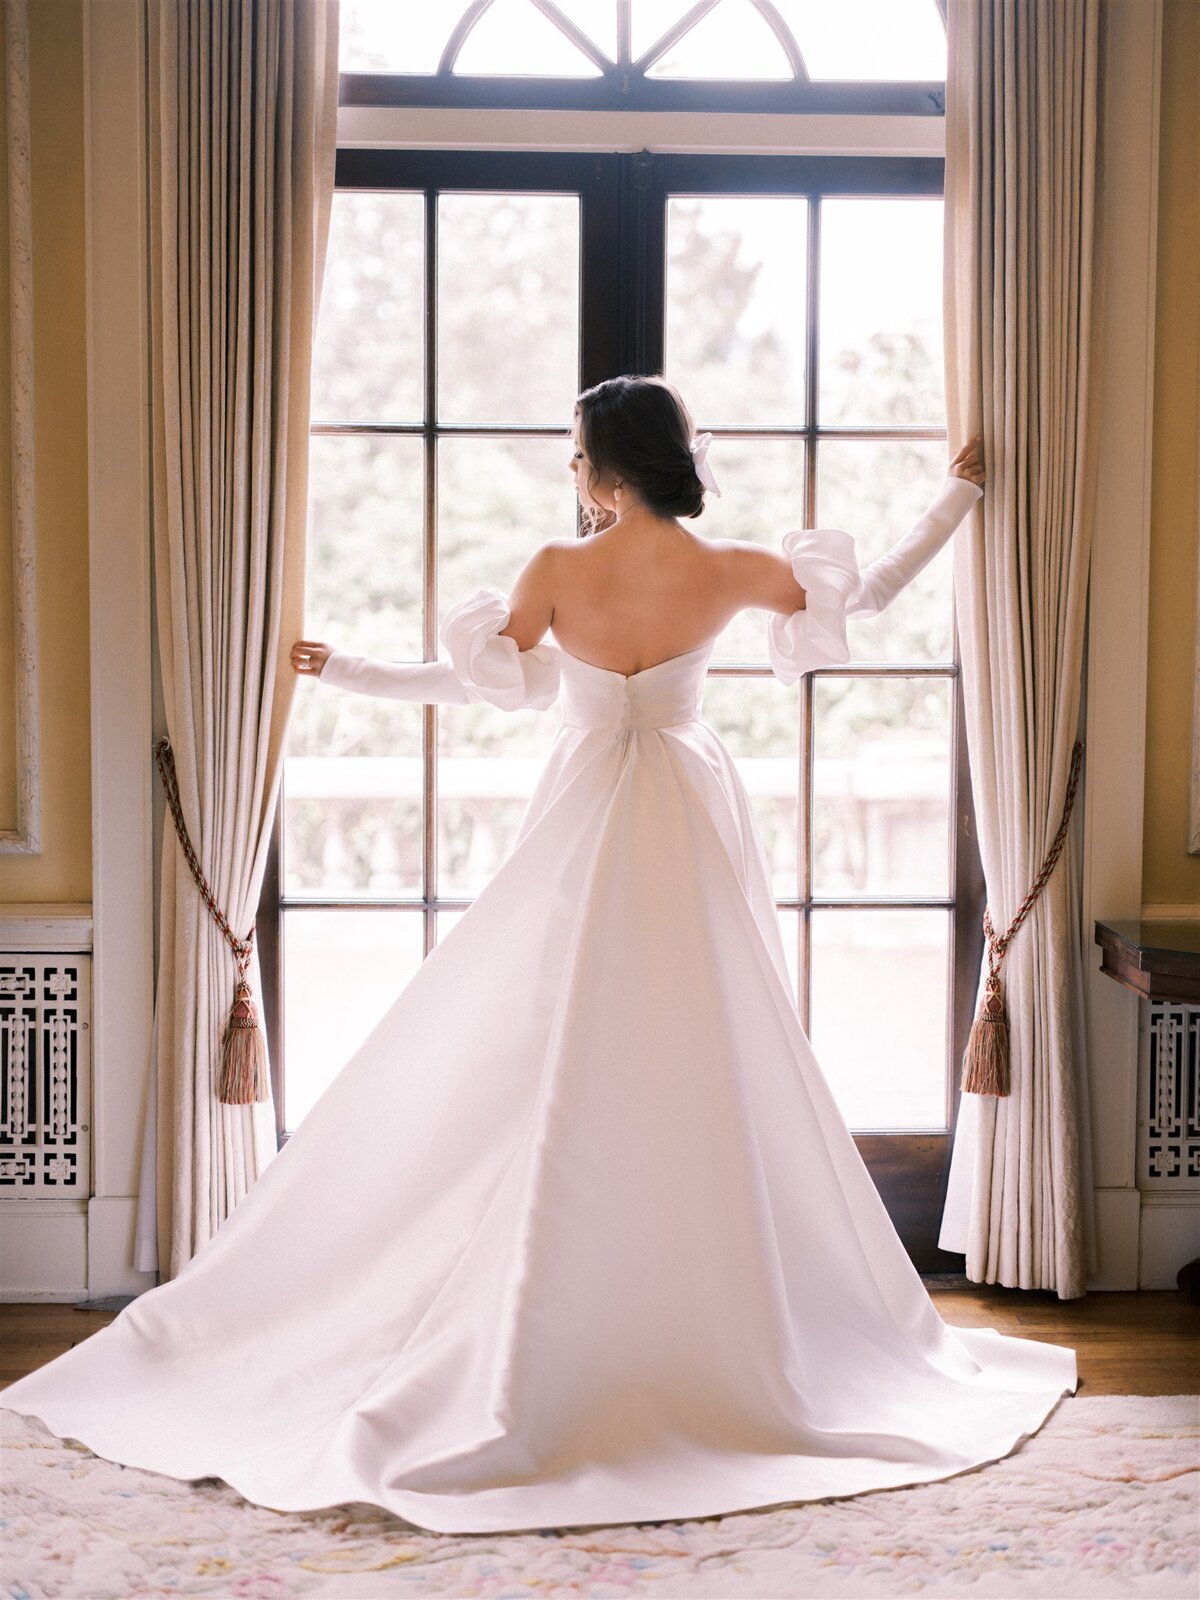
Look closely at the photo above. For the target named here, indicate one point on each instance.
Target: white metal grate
(1169, 1096)
(45, 1074)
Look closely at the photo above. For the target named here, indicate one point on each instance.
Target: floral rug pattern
(1101, 1502)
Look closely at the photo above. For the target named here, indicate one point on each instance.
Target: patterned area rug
(1101, 1502)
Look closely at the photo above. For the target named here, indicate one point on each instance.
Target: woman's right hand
(968, 463)
(309, 656)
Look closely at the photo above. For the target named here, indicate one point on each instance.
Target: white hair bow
(699, 448)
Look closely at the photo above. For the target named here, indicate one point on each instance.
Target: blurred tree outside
(508, 339)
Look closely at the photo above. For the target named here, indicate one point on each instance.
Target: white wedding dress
(578, 1235)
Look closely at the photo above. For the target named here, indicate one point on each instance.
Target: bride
(579, 1235)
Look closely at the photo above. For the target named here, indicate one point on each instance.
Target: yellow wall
(8, 620)
(62, 872)
(1169, 875)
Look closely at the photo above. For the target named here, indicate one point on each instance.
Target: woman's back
(630, 597)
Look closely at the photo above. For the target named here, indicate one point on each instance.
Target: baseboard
(1170, 1237)
(44, 1250)
(68, 1250)
(1118, 1216)
(112, 1223)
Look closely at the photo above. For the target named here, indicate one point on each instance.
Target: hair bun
(639, 430)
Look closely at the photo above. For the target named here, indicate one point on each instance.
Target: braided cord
(166, 766)
(998, 946)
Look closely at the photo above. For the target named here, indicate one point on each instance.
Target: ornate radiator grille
(45, 1076)
(1169, 1119)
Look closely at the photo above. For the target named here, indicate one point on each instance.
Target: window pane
(881, 311)
(512, 36)
(352, 824)
(367, 364)
(731, 41)
(879, 981)
(736, 274)
(488, 763)
(508, 307)
(352, 793)
(876, 491)
(381, 36)
(759, 721)
(498, 500)
(869, 39)
(342, 972)
(762, 496)
(363, 581)
(881, 786)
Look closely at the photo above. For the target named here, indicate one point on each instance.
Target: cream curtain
(243, 136)
(1022, 100)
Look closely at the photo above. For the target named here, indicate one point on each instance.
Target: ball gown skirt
(578, 1234)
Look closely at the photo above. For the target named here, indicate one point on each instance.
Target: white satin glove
(431, 683)
(883, 578)
(825, 564)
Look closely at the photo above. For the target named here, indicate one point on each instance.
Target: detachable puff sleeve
(489, 664)
(825, 564)
(482, 665)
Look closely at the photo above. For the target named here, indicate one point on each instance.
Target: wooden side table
(1157, 960)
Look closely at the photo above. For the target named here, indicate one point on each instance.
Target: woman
(578, 1235)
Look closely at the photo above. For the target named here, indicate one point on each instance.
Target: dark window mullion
(429, 731)
(806, 847)
(467, 430)
(970, 895)
(475, 171)
(682, 25)
(811, 175)
(600, 272)
(624, 35)
(779, 430)
(268, 927)
(582, 41)
(626, 90)
(642, 230)
(812, 313)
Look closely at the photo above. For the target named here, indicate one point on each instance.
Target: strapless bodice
(661, 696)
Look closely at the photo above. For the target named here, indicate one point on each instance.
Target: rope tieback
(986, 1060)
(244, 1068)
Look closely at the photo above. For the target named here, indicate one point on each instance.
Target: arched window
(874, 56)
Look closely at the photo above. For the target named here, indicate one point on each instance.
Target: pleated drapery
(243, 135)
(1022, 103)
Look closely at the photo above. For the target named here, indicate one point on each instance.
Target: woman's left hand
(309, 656)
(968, 463)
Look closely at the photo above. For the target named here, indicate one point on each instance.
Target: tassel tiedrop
(245, 1075)
(986, 1062)
(986, 1058)
(245, 1071)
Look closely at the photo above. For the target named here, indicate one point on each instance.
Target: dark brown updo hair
(640, 430)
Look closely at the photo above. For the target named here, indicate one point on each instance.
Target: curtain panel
(242, 98)
(1021, 300)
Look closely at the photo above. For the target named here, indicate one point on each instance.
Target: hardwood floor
(1144, 1342)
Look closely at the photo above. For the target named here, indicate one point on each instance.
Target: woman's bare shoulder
(758, 577)
(747, 574)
